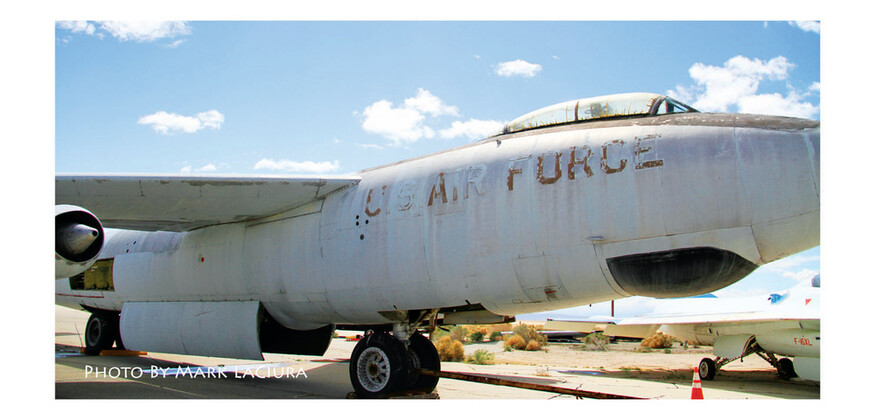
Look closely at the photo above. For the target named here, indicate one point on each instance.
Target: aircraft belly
(792, 342)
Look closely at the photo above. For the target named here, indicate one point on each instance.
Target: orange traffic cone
(697, 385)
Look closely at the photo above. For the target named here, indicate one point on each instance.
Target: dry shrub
(481, 357)
(596, 341)
(450, 350)
(658, 341)
(533, 345)
(515, 342)
(529, 333)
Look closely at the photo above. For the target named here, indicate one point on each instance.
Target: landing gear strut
(708, 368)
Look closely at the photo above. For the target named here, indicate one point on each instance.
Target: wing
(183, 202)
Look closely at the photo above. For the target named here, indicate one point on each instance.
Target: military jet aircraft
(580, 202)
(786, 323)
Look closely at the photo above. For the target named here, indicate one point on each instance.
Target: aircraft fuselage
(665, 206)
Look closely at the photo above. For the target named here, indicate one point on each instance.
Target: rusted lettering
(455, 182)
(438, 188)
(513, 170)
(640, 150)
(368, 210)
(557, 170)
(604, 164)
(574, 161)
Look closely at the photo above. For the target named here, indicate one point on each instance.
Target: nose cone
(779, 163)
(75, 239)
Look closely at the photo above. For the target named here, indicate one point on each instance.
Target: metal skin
(511, 224)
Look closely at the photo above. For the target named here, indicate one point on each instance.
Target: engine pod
(78, 240)
(678, 272)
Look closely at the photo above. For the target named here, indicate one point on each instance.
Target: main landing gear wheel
(707, 369)
(785, 369)
(101, 331)
(379, 365)
(423, 355)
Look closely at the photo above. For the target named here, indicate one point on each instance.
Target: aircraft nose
(779, 162)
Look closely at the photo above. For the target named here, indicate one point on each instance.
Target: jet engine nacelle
(78, 240)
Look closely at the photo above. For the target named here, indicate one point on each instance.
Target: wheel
(101, 331)
(423, 355)
(785, 369)
(379, 365)
(707, 369)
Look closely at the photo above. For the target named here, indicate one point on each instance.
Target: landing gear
(785, 369)
(101, 331)
(423, 355)
(383, 363)
(379, 365)
(707, 369)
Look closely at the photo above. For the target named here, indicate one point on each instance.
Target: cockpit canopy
(600, 107)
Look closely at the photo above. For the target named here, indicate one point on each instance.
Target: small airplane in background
(786, 324)
(580, 202)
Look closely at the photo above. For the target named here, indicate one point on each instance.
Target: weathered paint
(502, 223)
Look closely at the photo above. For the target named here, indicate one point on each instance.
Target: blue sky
(218, 97)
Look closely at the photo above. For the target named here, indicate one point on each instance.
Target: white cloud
(472, 129)
(166, 123)
(791, 262)
(206, 168)
(405, 124)
(79, 26)
(294, 166)
(517, 68)
(139, 31)
(807, 25)
(777, 104)
(737, 82)
(145, 31)
(802, 276)
(401, 125)
(427, 103)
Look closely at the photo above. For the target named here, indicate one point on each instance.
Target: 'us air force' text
(576, 162)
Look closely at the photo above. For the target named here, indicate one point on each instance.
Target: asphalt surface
(168, 376)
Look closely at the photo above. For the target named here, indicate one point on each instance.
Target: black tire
(707, 369)
(785, 369)
(101, 331)
(379, 365)
(423, 355)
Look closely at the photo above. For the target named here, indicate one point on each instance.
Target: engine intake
(678, 272)
(78, 240)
